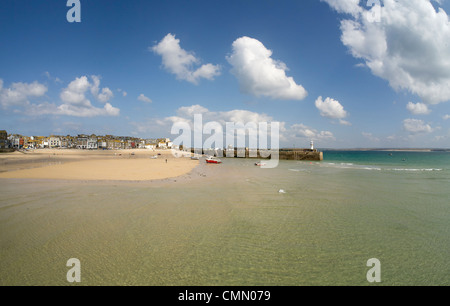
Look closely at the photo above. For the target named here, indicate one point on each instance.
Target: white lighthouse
(312, 145)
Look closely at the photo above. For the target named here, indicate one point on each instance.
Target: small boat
(213, 160)
(259, 164)
(195, 158)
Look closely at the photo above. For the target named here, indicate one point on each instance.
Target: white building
(91, 144)
(54, 142)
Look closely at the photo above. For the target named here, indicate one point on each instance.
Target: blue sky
(136, 67)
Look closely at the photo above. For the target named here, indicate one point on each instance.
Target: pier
(283, 154)
(301, 154)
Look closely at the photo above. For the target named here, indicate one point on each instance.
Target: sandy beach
(86, 165)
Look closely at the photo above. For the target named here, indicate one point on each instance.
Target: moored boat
(213, 160)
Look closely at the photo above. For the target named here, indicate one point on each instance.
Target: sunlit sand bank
(121, 165)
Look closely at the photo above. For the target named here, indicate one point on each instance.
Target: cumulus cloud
(410, 55)
(260, 75)
(181, 62)
(303, 131)
(345, 6)
(222, 117)
(446, 117)
(75, 93)
(104, 95)
(145, 99)
(332, 109)
(415, 126)
(75, 102)
(418, 108)
(18, 94)
(190, 111)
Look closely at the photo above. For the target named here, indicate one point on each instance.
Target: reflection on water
(229, 225)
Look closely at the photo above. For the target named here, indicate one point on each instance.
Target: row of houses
(83, 142)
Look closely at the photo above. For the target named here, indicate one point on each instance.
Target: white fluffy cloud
(303, 131)
(408, 46)
(18, 94)
(104, 95)
(75, 102)
(181, 62)
(330, 108)
(446, 117)
(75, 93)
(418, 108)
(415, 126)
(345, 6)
(260, 75)
(145, 99)
(243, 116)
(190, 111)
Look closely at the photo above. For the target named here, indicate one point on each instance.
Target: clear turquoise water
(229, 225)
(407, 160)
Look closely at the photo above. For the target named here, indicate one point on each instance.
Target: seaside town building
(92, 144)
(82, 142)
(4, 142)
(29, 142)
(16, 141)
(54, 142)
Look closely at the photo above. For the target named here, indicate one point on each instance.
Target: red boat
(213, 160)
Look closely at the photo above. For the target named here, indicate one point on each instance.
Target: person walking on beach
(166, 160)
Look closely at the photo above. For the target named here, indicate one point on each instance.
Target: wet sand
(108, 165)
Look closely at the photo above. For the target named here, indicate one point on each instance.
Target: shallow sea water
(229, 225)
